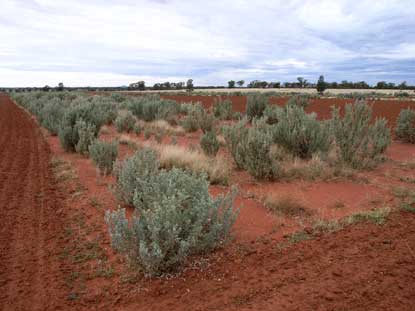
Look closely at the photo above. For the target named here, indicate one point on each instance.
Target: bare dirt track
(31, 219)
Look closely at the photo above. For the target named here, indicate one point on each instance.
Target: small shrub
(137, 129)
(222, 108)
(300, 133)
(104, 154)
(359, 143)
(250, 148)
(234, 136)
(300, 101)
(190, 123)
(147, 133)
(272, 114)
(86, 136)
(209, 143)
(127, 173)
(206, 122)
(405, 126)
(256, 104)
(258, 160)
(125, 121)
(175, 218)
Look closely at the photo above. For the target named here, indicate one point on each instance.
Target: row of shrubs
(260, 148)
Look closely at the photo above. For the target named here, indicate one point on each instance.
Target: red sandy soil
(31, 275)
(363, 267)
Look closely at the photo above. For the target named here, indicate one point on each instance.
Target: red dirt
(31, 275)
(363, 267)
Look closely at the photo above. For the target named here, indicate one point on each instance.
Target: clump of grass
(285, 205)
(377, 216)
(217, 169)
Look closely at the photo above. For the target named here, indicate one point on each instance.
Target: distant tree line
(189, 86)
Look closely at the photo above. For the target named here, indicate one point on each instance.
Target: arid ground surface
(55, 251)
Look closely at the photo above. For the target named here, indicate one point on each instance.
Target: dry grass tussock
(162, 126)
(285, 205)
(217, 169)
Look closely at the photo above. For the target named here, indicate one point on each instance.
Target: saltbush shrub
(104, 154)
(86, 136)
(152, 107)
(125, 121)
(222, 108)
(298, 100)
(405, 126)
(234, 136)
(256, 104)
(209, 143)
(128, 172)
(251, 148)
(359, 143)
(175, 218)
(300, 133)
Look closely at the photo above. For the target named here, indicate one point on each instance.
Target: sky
(114, 43)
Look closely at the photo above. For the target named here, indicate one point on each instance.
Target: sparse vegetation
(256, 104)
(125, 121)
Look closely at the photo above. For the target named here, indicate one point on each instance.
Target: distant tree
(60, 87)
(231, 84)
(46, 88)
(381, 85)
(189, 85)
(166, 85)
(274, 85)
(240, 83)
(141, 85)
(321, 85)
(302, 82)
(403, 86)
(179, 85)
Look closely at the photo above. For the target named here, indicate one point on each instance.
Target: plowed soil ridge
(31, 219)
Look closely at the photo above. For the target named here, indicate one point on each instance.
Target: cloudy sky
(113, 43)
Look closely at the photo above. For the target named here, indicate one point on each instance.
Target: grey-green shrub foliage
(128, 172)
(405, 126)
(222, 108)
(250, 148)
(125, 121)
(86, 136)
(257, 146)
(175, 218)
(300, 133)
(209, 143)
(152, 107)
(256, 104)
(104, 154)
(360, 144)
(235, 135)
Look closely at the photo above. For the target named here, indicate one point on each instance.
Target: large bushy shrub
(125, 121)
(256, 104)
(79, 110)
(300, 133)
(128, 173)
(405, 126)
(175, 218)
(359, 143)
(104, 154)
(209, 143)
